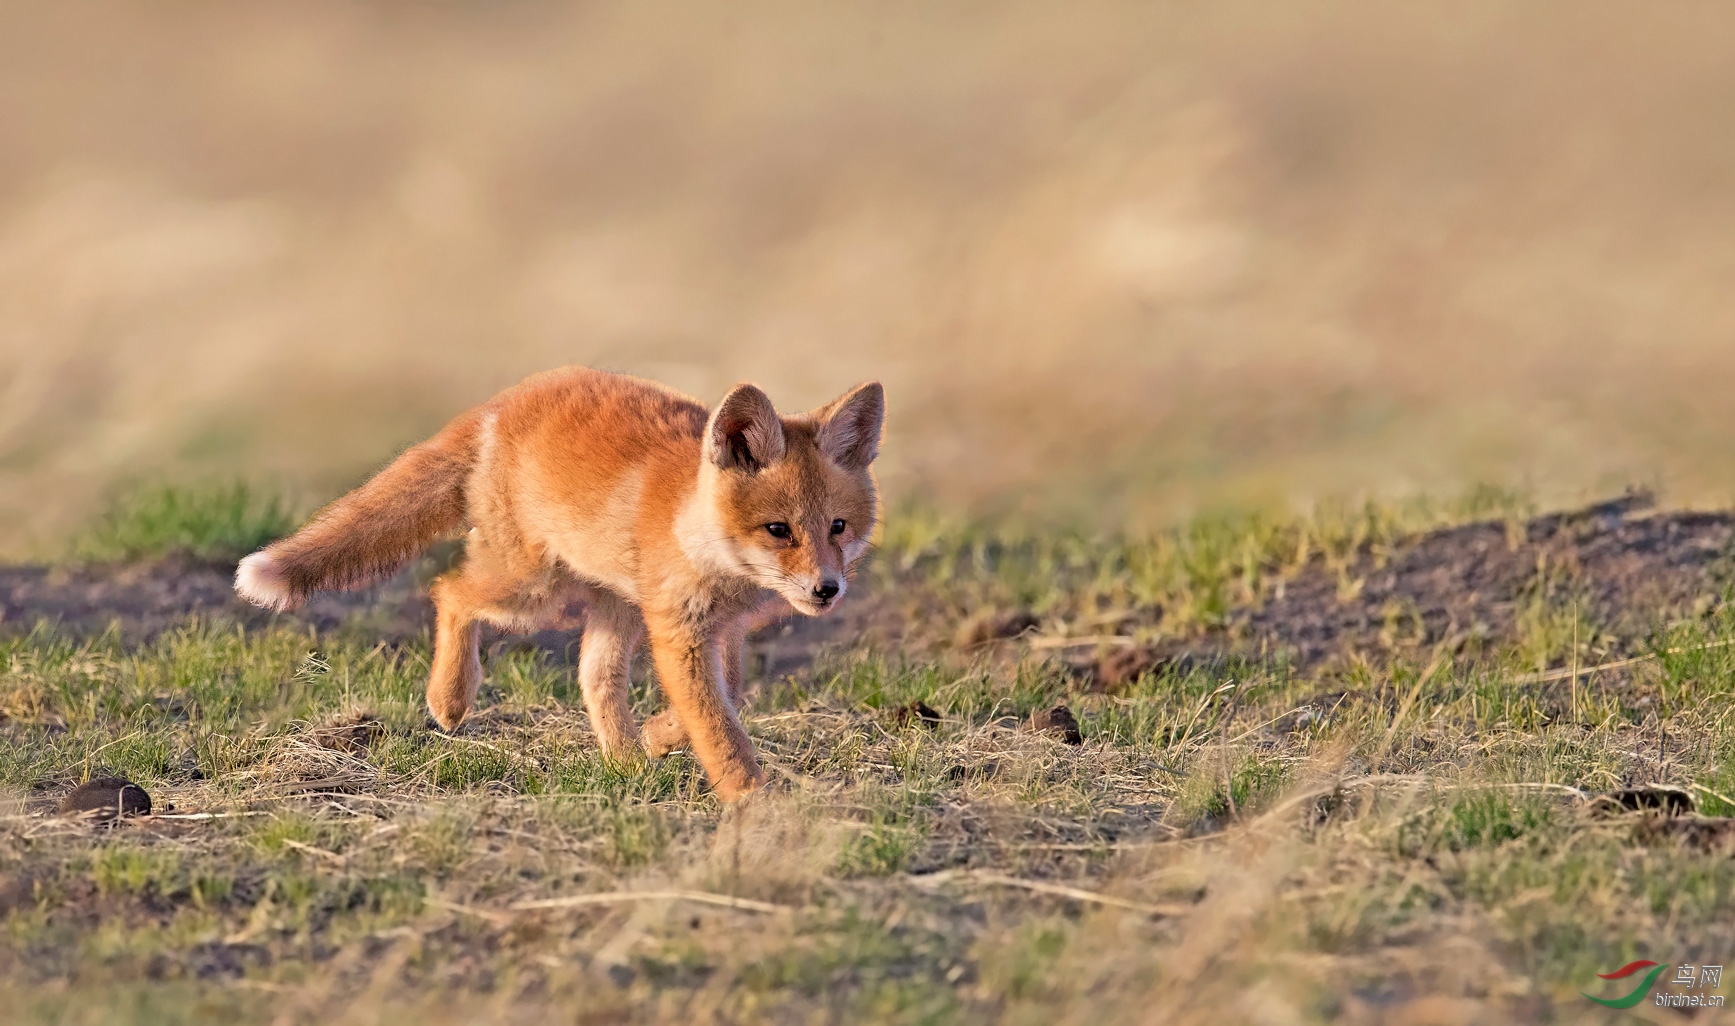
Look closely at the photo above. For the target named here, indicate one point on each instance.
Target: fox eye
(777, 529)
(837, 527)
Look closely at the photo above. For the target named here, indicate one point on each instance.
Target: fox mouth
(811, 605)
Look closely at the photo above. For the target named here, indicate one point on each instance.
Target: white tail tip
(259, 580)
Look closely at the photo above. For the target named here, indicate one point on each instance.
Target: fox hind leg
(612, 630)
(462, 599)
(457, 669)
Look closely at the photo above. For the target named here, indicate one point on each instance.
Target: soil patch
(1467, 589)
(141, 600)
(1469, 585)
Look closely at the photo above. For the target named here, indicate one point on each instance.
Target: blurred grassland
(1116, 263)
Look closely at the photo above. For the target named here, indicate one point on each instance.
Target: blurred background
(1114, 262)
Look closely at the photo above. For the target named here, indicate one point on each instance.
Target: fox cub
(659, 517)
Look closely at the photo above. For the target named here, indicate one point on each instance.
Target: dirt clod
(15, 892)
(1702, 833)
(978, 771)
(354, 735)
(1122, 667)
(105, 798)
(1058, 723)
(1670, 801)
(917, 713)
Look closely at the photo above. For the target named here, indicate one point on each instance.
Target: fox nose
(825, 591)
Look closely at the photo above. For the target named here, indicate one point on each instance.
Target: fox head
(792, 499)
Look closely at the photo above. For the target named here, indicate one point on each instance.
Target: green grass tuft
(218, 522)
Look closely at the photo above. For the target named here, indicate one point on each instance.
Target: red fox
(581, 486)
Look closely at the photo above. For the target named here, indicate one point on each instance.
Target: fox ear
(849, 429)
(745, 432)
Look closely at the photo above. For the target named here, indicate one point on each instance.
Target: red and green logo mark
(1639, 992)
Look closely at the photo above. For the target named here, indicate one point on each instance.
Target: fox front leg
(665, 733)
(690, 668)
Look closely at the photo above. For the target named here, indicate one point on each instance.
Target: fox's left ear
(849, 429)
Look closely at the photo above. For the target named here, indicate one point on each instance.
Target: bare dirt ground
(1468, 590)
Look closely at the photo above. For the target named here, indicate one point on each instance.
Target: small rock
(188, 763)
(1058, 723)
(980, 771)
(918, 713)
(620, 975)
(1664, 798)
(16, 891)
(105, 798)
(1325, 808)
(354, 735)
(1300, 718)
(1122, 667)
(222, 960)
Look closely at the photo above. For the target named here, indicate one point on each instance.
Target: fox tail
(371, 532)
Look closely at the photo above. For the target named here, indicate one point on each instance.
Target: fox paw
(664, 733)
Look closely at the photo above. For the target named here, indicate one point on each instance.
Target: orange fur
(665, 520)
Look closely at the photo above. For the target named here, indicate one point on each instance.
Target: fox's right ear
(745, 432)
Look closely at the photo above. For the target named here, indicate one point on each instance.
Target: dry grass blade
(330, 856)
(1574, 672)
(1083, 642)
(616, 897)
(497, 918)
(1043, 887)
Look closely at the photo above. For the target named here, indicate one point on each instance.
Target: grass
(1195, 575)
(1424, 835)
(212, 522)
